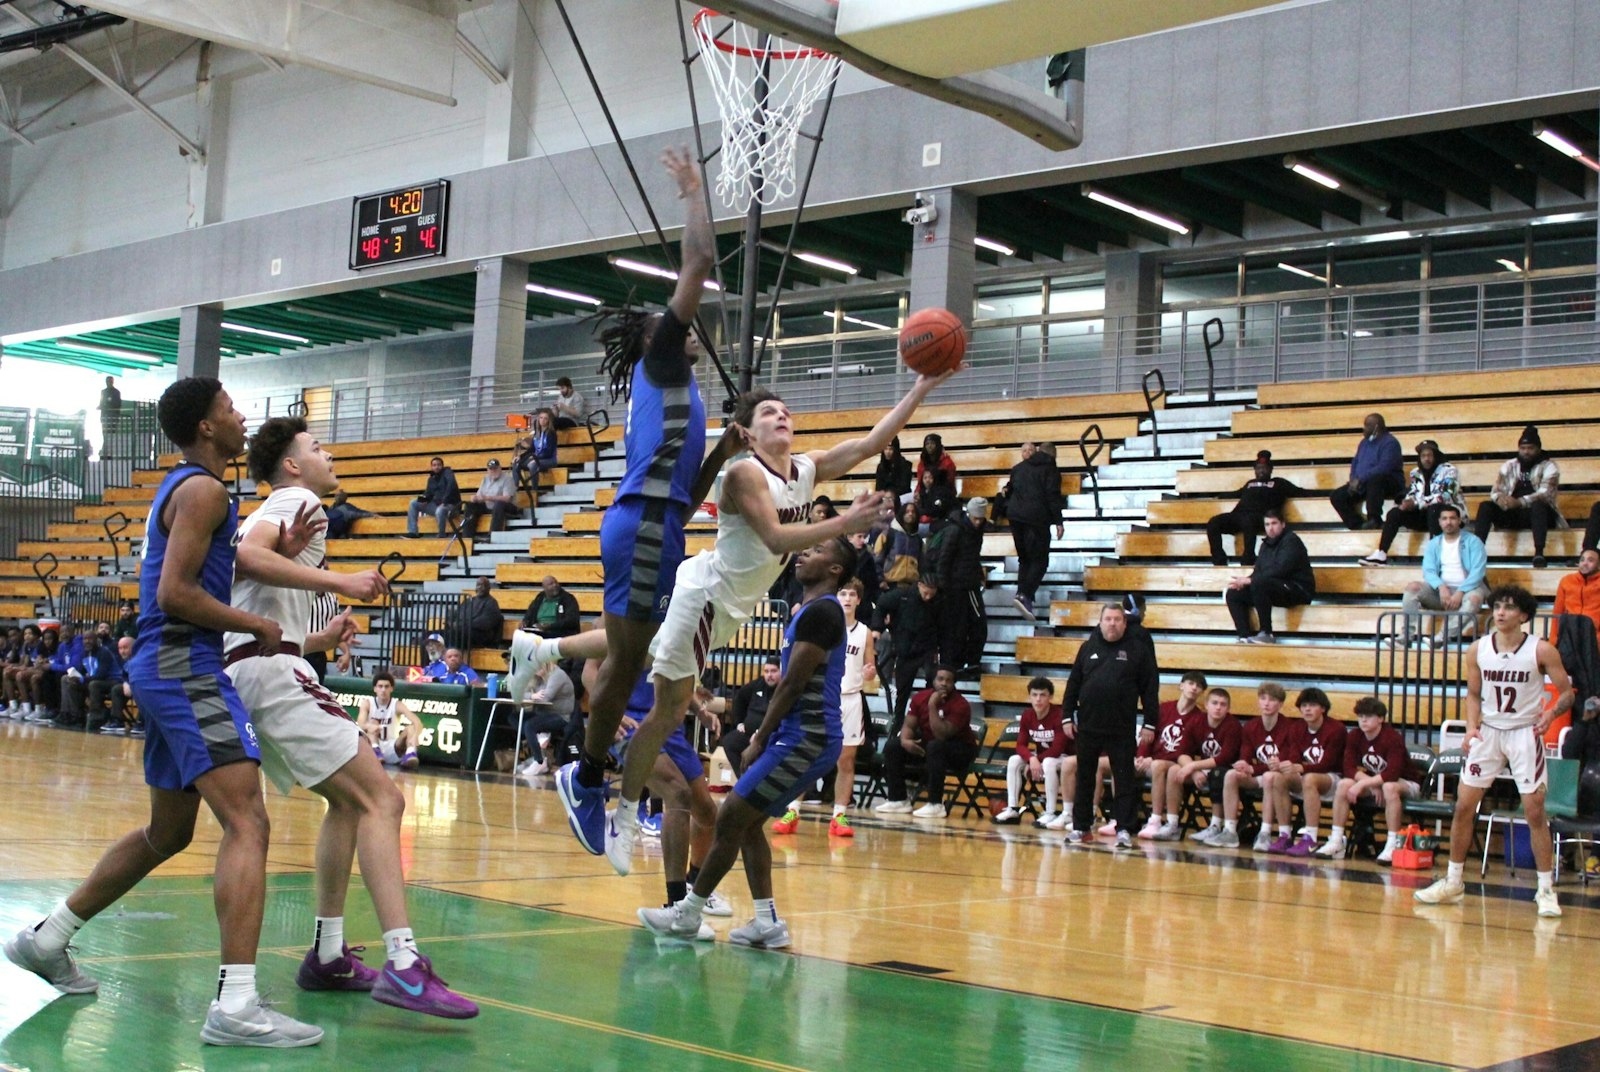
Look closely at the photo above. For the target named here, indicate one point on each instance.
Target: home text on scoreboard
(399, 225)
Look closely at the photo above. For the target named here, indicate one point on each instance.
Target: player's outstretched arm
(259, 560)
(699, 245)
(744, 492)
(841, 458)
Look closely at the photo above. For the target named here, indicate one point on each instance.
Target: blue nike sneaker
(586, 808)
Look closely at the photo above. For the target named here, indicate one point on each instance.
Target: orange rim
(790, 54)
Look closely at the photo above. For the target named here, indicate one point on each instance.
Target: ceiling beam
(1428, 166)
(1382, 176)
(1462, 151)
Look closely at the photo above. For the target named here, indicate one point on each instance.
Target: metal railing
(87, 603)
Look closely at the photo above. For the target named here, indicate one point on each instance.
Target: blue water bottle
(492, 686)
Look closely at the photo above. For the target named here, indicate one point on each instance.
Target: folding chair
(1567, 822)
(970, 781)
(869, 762)
(990, 764)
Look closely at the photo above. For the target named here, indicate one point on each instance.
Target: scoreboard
(399, 225)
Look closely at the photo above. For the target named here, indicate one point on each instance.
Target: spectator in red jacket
(1312, 761)
(1176, 728)
(1042, 749)
(1213, 745)
(937, 730)
(1377, 768)
(1260, 747)
(934, 457)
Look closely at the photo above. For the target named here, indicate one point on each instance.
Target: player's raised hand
(295, 536)
(364, 586)
(867, 510)
(683, 169)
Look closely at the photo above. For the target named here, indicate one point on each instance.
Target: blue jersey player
(798, 743)
(650, 359)
(199, 742)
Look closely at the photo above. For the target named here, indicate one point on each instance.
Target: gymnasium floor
(920, 945)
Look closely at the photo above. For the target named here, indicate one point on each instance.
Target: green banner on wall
(13, 443)
(58, 443)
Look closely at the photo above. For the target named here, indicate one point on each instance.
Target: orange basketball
(933, 341)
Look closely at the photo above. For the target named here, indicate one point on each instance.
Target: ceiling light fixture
(1324, 178)
(568, 295)
(1564, 147)
(828, 263)
(655, 270)
(1306, 171)
(109, 351)
(848, 319)
(1145, 214)
(1508, 264)
(1302, 272)
(228, 325)
(994, 247)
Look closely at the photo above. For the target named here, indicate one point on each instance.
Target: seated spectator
(552, 699)
(1526, 495)
(1579, 593)
(1282, 578)
(934, 459)
(553, 612)
(20, 648)
(570, 408)
(496, 496)
(86, 684)
(342, 516)
(480, 620)
(390, 726)
(1591, 530)
(536, 453)
(935, 496)
(1262, 492)
(1176, 729)
(1376, 474)
(1435, 484)
(1041, 752)
(1313, 758)
(1213, 745)
(1377, 768)
(1454, 571)
(441, 497)
(127, 623)
(749, 708)
(911, 618)
(67, 656)
(1034, 505)
(893, 472)
(1261, 742)
(456, 670)
(822, 508)
(120, 692)
(937, 730)
(433, 656)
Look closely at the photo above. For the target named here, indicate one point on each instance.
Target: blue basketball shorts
(192, 725)
(641, 546)
(796, 757)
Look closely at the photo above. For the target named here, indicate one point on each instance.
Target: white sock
(401, 946)
(1454, 872)
(1284, 831)
(1231, 826)
(1172, 817)
(627, 811)
(766, 910)
(1546, 880)
(838, 810)
(329, 938)
(1216, 823)
(1336, 836)
(693, 904)
(236, 987)
(56, 930)
(1310, 832)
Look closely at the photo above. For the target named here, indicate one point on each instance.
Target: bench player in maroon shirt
(1214, 745)
(1313, 759)
(1260, 745)
(1173, 742)
(1043, 751)
(1377, 768)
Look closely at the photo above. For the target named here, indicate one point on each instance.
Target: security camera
(923, 210)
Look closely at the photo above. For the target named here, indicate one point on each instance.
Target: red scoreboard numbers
(399, 225)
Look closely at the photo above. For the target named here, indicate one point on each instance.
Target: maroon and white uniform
(1219, 742)
(1316, 753)
(1259, 745)
(1175, 734)
(1511, 699)
(1042, 737)
(1384, 755)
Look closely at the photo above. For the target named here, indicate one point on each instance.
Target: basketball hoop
(760, 122)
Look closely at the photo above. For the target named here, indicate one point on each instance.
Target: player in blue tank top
(651, 360)
(798, 743)
(199, 742)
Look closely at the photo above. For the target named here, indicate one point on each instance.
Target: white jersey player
(1506, 720)
(389, 724)
(763, 515)
(307, 738)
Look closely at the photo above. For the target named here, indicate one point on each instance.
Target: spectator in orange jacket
(1579, 593)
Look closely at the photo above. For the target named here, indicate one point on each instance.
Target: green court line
(564, 991)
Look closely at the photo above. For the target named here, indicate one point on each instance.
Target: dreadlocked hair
(623, 331)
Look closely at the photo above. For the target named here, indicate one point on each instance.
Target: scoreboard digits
(399, 225)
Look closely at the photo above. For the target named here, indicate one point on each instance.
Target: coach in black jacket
(1282, 578)
(1113, 675)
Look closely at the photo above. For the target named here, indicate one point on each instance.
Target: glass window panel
(1303, 272)
(1364, 267)
(1205, 282)
(1005, 302)
(1564, 245)
(1493, 258)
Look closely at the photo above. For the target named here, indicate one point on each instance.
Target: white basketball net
(759, 140)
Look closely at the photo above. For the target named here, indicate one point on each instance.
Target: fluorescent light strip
(829, 263)
(1507, 264)
(986, 307)
(1321, 178)
(848, 319)
(655, 270)
(1134, 210)
(108, 351)
(993, 246)
(248, 330)
(1302, 272)
(1556, 141)
(569, 295)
